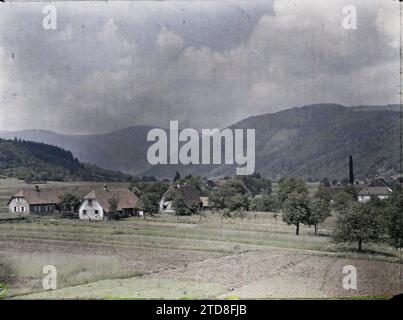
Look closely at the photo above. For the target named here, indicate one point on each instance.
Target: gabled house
(377, 188)
(190, 194)
(97, 204)
(35, 200)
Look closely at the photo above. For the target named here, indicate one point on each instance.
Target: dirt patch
(286, 274)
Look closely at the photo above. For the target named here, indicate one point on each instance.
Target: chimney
(105, 188)
(350, 170)
(37, 188)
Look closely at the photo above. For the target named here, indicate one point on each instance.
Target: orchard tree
(291, 185)
(394, 220)
(113, 207)
(296, 210)
(150, 202)
(341, 201)
(319, 212)
(264, 203)
(70, 202)
(357, 223)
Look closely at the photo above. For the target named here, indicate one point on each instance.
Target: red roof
(40, 196)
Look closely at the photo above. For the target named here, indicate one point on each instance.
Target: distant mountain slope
(34, 161)
(315, 141)
(123, 150)
(311, 142)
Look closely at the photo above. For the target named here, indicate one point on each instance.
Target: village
(182, 238)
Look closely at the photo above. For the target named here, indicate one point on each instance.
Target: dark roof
(190, 193)
(40, 196)
(126, 198)
(377, 191)
(376, 187)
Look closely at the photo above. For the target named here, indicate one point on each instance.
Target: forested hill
(33, 161)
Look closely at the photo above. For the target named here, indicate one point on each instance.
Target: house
(35, 200)
(190, 194)
(97, 204)
(377, 188)
(205, 205)
(219, 183)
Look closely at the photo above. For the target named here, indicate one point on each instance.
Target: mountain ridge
(310, 141)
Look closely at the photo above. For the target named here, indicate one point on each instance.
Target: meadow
(191, 257)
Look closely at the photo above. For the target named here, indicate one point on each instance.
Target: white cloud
(109, 31)
(169, 43)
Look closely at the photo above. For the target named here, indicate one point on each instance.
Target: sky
(112, 65)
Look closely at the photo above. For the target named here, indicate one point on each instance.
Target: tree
(256, 184)
(238, 202)
(296, 210)
(341, 201)
(177, 176)
(291, 185)
(357, 223)
(319, 212)
(231, 195)
(264, 203)
(394, 220)
(323, 193)
(150, 202)
(70, 202)
(351, 190)
(179, 204)
(113, 206)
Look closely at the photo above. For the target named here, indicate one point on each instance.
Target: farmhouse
(98, 204)
(35, 200)
(190, 194)
(376, 188)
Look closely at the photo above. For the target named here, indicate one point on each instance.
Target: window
(84, 212)
(22, 209)
(90, 202)
(96, 211)
(15, 209)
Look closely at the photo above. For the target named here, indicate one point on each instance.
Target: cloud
(207, 65)
(109, 31)
(169, 43)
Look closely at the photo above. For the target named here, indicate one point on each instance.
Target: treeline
(40, 162)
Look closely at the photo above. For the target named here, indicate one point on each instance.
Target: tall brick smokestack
(350, 170)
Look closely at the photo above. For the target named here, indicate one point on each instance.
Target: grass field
(193, 257)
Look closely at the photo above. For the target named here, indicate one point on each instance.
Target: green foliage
(113, 204)
(289, 186)
(232, 196)
(150, 201)
(70, 202)
(393, 219)
(256, 184)
(351, 190)
(341, 201)
(357, 223)
(264, 203)
(32, 162)
(319, 211)
(323, 193)
(179, 203)
(296, 209)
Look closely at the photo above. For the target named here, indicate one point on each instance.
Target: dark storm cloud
(113, 65)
